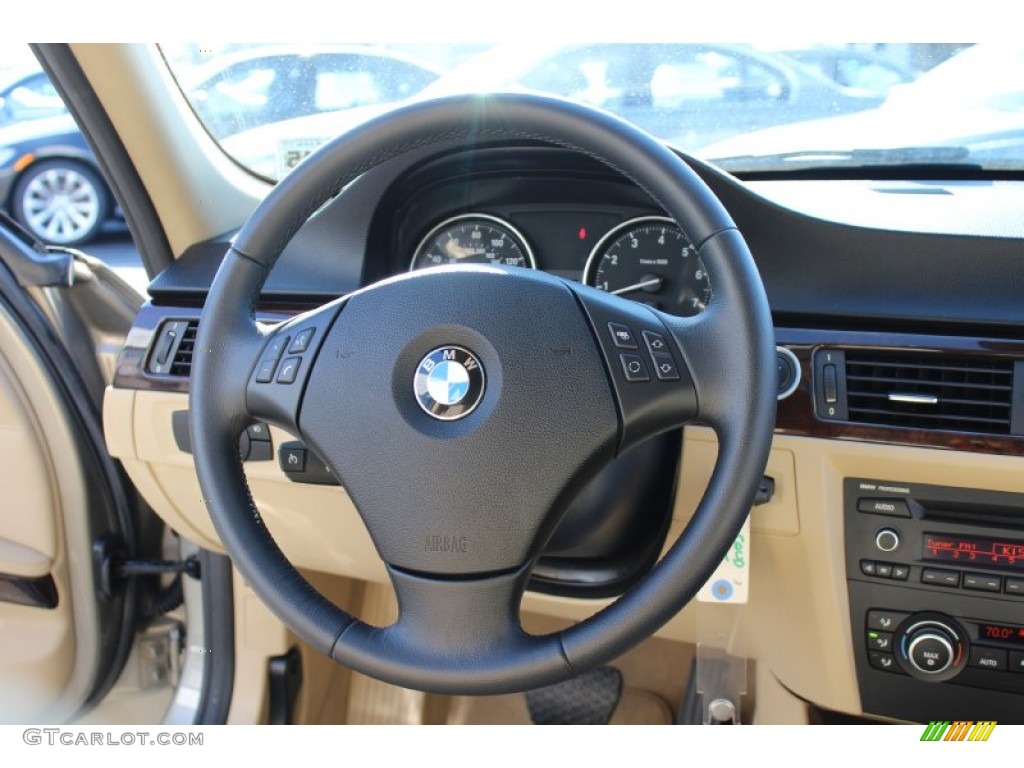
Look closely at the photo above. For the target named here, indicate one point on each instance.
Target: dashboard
(895, 465)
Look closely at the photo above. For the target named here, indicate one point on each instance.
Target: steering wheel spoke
(283, 364)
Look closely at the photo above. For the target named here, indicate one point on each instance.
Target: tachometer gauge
(473, 238)
(650, 260)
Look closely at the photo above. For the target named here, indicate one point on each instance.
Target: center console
(936, 588)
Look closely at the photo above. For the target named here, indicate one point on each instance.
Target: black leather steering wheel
(463, 408)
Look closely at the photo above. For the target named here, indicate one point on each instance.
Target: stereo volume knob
(887, 539)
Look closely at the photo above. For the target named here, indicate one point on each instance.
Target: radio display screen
(974, 550)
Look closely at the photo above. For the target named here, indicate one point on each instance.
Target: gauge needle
(654, 282)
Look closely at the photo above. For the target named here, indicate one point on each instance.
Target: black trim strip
(219, 631)
(39, 592)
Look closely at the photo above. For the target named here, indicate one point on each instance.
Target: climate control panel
(935, 579)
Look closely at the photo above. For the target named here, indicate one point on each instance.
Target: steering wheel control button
(988, 658)
(886, 621)
(449, 383)
(301, 343)
(665, 367)
(634, 368)
(890, 507)
(655, 342)
(265, 373)
(930, 652)
(879, 641)
(276, 348)
(887, 539)
(289, 370)
(622, 336)
(941, 577)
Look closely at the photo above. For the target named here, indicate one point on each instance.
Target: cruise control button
(885, 620)
(879, 641)
(988, 658)
(890, 507)
(941, 577)
(289, 370)
(634, 368)
(982, 582)
(301, 343)
(883, 661)
(622, 336)
(665, 367)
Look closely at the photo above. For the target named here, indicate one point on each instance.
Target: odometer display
(650, 260)
(473, 238)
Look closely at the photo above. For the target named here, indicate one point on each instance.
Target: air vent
(172, 349)
(921, 391)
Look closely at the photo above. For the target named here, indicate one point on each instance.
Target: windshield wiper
(845, 158)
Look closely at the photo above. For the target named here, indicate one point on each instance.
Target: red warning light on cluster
(582, 234)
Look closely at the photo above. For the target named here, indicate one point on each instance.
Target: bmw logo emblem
(449, 383)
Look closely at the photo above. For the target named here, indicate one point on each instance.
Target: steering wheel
(462, 408)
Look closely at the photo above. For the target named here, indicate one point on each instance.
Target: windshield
(744, 107)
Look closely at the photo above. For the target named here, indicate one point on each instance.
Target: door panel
(61, 643)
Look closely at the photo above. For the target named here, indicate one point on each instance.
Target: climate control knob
(930, 652)
(931, 647)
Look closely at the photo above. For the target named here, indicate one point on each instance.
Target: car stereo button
(982, 582)
(941, 577)
(884, 570)
(868, 567)
(988, 658)
(890, 507)
(1014, 587)
(901, 572)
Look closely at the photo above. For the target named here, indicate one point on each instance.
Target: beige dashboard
(796, 623)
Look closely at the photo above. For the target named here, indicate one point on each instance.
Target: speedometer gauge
(473, 238)
(649, 259)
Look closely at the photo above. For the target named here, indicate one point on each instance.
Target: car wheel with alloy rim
(61, 202)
